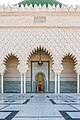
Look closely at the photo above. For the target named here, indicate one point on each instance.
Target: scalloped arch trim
(8, 56)
(72, 56)
(43, 49)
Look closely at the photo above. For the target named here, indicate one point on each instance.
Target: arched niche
(11, 75)
(68, 82)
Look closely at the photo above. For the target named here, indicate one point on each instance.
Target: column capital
(22, 68)
(2, 68)
(57, 72)
(2, 73)
(78, 73)
(77, 68)
(57, 68)
(23, 73)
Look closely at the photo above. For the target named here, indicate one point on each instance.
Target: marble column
(21, 83)
(47, 85)
(58, 82)
(2, 86)
(55, 82)
(24, 82)
(77, 83)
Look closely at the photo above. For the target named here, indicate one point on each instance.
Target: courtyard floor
(39, 107)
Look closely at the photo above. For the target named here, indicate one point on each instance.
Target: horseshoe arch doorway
(40, 82)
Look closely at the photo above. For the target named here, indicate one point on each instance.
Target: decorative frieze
(30, 8)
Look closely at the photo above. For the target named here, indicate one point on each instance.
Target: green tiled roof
(42, 2)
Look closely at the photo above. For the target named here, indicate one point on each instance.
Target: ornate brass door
(40, 82)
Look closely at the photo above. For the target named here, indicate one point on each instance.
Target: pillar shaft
(2, 86)
(55, 82)
(21, 83)
(77, 83)
(24, 83)
(58, 82)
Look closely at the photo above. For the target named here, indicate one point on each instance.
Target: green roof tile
(42, 2)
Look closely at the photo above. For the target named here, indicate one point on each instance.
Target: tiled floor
(39, 107)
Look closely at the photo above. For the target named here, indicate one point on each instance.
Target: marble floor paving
(39, 107)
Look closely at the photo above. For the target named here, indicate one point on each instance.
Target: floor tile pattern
(39, 107)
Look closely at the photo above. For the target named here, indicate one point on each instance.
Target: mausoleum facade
(39, 49)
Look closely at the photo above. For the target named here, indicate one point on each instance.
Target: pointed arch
(68, 75)
(40, 73)
(71, 56)
(12, 74)
(8, 56)
(33, 62)
(42, 49)
(40, 79)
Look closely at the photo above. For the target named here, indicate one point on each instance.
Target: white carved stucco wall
(23, 30)
(58, 35)
(21, 41)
